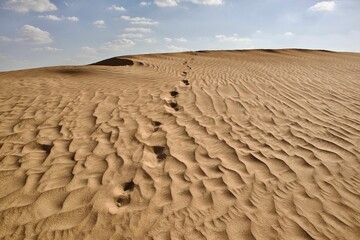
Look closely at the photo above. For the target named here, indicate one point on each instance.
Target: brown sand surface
(258, 144)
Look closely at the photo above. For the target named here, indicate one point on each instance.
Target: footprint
(159, 151)
(156, 125)
(129, 186)
(123, 200)
(186, 82)
(46, 148)
(174, 93)
(174, 106)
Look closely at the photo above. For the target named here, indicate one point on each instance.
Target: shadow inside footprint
(161, 156)
(159, 151)
(46, 148)
(186, 82)
(174, 93)
(123, 200)
(174, 106)
(129, 186)
(157, 123)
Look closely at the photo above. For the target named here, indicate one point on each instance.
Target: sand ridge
(261, 144)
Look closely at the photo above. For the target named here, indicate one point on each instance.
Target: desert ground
(256, 144)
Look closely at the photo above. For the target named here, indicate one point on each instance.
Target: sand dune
(260, 144)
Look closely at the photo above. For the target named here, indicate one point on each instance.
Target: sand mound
(116, 61)
(201, 145)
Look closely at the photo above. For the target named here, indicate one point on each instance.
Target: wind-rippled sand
(203, 145)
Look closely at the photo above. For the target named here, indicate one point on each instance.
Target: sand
(258, 144)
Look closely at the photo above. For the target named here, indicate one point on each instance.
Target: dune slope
(261, 144)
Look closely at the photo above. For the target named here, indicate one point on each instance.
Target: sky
(37, 33)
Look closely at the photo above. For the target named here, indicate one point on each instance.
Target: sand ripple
(202, 145)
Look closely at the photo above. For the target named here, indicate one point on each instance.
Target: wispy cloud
(25, 6)
(289, 34)
(118, 44)
(173, 48)
(143, 3)
(89, 50)
(46, 49)
(99, 23)
(142, 30)
(72, 19)
(150, 40)
(174, 3)
(208, 2)
(132, 35)
(5, 39)
(325, 6)
(165, 3)
(117, 8)
(56, 18)
(182, 39)
(139, 20)
(50, 17)
(232, 39)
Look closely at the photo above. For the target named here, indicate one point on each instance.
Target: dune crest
(261, 144)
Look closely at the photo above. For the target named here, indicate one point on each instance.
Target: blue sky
(37, 33)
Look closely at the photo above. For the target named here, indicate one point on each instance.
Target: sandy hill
(260, 144)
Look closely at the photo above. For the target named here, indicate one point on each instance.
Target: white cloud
(137, 37)
(142, 30)
(5, 39)
(73, 19)
(326, 6)
(24, 6)
(50, 17)
(165, 3)
(118, 44)
(139, 20)
(181, 39)
(233, 39)
(56, 18)
(99, 23)
(131, 35)
(289, 34)
(143, 4)
(34, 35)
(150, 40)
(89, 50)
(173, 48)
(174, 3)
(117, 8)
(30, 35)
(46, 49)
(208, 2)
